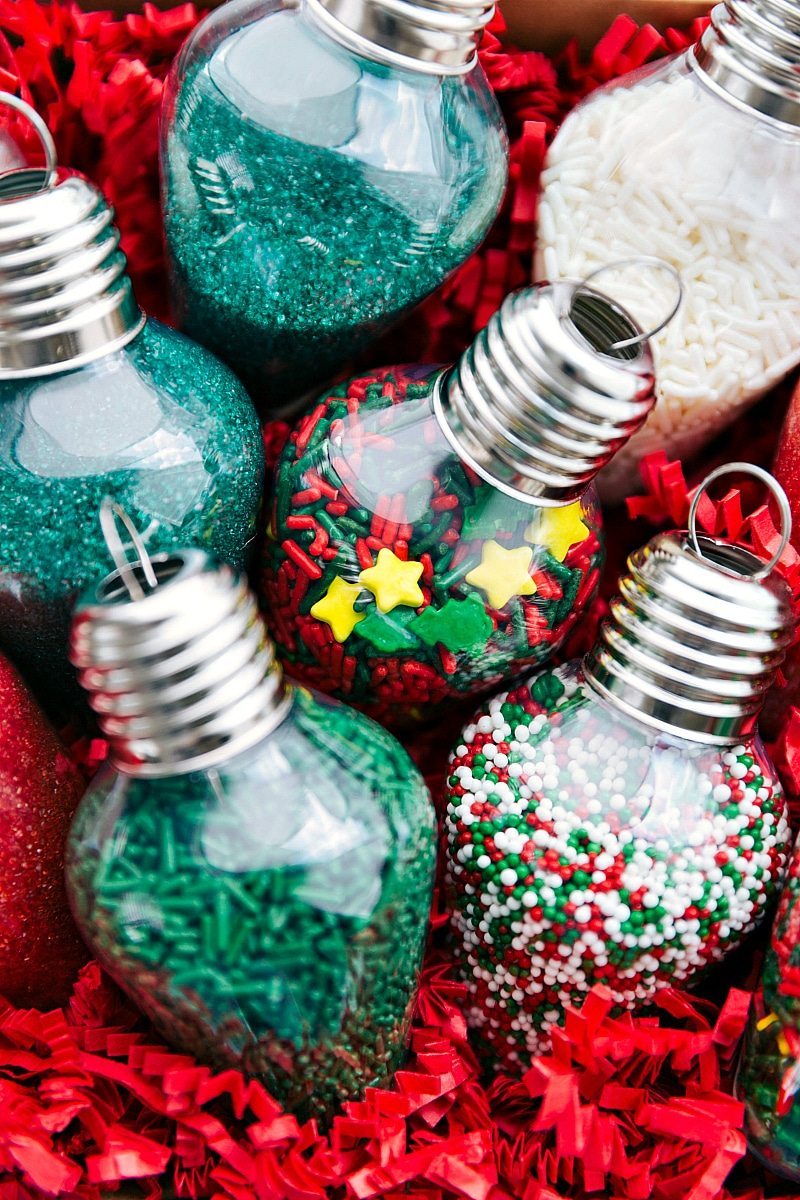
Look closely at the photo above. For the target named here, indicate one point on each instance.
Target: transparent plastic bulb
(398, 578)
(586, 847)
(435, 531)
(312, 194)
(665, 163)
(769, 1074)
(268, 913)
(161, 426)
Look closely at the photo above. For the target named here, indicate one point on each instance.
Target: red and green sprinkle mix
(584, 848)
(397, 578)
(769, 1079)
(769, 1084)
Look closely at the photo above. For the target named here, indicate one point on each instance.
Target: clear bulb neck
(539, 403)
(693, 641)
(438, 37)
(751, 52)
(184, 677)
(65, 295)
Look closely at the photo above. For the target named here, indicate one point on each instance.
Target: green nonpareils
(302, 220)
(163, 428)
(271, 914)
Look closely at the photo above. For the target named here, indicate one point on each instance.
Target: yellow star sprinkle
(503, 573)
(393, 581)
(336, 608)
(559, 529)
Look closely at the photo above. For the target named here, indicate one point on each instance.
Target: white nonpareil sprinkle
(666, 168)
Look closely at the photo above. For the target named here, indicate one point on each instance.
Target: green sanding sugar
(301, 225)
(162, 427)
(271, 914)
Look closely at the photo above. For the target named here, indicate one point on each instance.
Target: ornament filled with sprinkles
(435, 531)
(255, 865)
(326, 164)
(769, 1076)
(697, 160)
(617, 821)
(97, 399)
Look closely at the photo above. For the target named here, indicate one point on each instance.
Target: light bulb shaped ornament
(768, 1079)
(435, 531)
(254, 867)
(697, 160)
(326, 165)
(618, 821)
(41, 951)
(97, 399)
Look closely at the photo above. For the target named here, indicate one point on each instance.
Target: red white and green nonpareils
(584, 848)
(395, 576)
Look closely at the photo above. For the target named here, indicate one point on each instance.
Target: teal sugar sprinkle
(291, 948)
(298, 233)
(162, 427)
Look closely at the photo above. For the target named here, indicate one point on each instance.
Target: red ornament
(40, 786)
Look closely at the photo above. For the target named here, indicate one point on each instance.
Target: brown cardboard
(550, 24)
(535, 24)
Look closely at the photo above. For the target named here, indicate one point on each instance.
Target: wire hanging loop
(775, 489)
(110, 514)
(654, 263)
(45, 136)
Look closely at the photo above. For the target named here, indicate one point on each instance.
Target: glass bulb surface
(584, 847)
(396, 577)
(769, 1074)
(661, 164)
(269, 914)
(161, 426)
(312, 196)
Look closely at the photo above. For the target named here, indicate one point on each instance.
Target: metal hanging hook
(646, 260)
(45, 136)
(772, 486)
(110, 514)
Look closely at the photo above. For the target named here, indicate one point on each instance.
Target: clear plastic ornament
(254, 867)
(96, 400)
(768, 1079)
(696, 160)
(435, 531)
(619, 821)
(325, 168)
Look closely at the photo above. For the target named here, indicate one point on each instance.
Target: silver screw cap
(559, 380)
(176, 660)
(438, 37)
(697, 632)
(65, 296)
(751, 51)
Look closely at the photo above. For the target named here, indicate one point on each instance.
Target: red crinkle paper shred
(625, 1108)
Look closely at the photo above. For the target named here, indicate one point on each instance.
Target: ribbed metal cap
(65, 297)
(693, 640)
(436, 36)
(184, 677)
(751, 50)
(539, 403)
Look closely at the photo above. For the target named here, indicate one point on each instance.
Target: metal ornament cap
(542, 399)
(65, 296)
(693, 640)
(438, 37)
(751, 52)
(183, 678)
